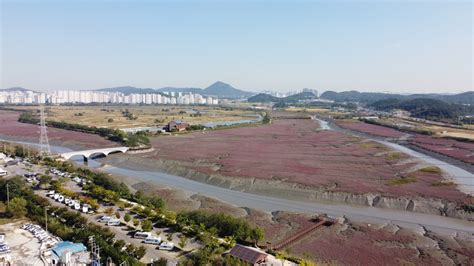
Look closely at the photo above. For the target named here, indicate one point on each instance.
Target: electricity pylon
(45, 150)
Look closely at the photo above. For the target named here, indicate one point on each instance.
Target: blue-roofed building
(69, 253)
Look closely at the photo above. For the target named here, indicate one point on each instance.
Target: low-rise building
(249, 255)
(176, 125)
(68, 253)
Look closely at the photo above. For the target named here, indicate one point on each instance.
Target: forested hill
(263, 97)
(371, 97)
(431, 109)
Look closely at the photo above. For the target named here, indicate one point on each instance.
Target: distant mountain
(15, 89)
(355, 96)
(224, 90)
(426, 108)
(263, 97)
(219, 89)
(370, 97)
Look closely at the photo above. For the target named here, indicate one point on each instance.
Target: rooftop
(248, 254)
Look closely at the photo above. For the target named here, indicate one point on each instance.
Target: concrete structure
(92, 153)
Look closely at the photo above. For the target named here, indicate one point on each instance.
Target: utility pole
(46, 217)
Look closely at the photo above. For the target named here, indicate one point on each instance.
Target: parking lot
(25, 248)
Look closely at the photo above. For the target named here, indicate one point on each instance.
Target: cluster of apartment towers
(74, 96)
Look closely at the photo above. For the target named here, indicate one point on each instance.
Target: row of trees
(223, 225)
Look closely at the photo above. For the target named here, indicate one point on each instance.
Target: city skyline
(403, 47)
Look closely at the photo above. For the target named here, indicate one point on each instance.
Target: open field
(460, 150)
(437, 130)
(11, 128)
(142, 116)
(376, 130)
(463, 151)
(294, 151)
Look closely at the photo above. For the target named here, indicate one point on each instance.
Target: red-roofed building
(248, 254)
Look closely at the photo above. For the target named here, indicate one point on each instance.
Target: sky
(400, 46)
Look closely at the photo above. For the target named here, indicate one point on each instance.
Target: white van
(153, 240)
(104, 219)
(113, 222)
(85, 209)
(166, 246)
(142, 235)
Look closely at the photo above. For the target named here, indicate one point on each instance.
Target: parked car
(166, 246)
(152, 240)
(113, 222)
(142, 235)
(104, 219)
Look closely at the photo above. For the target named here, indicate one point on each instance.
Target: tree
(170, 236)
(140, 252)
(257, 234)
(44, 180)
(127, 217)
(117, 215)
(136, 222)
(183, 241)
(17, 208)
(160, 262)
(109, 211)
(147, 225)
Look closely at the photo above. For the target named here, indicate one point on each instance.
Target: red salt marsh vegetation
(10, 127)
(460, 150)
(296, 152)
(376, 130)
(463, 151)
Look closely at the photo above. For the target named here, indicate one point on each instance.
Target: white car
(67, 200)
(56, 196)
(113, 222)
(77, 206)
(152, 240)
(104, 219)
(61, 198)
(72, 203)
(142, 235)
(166, 246)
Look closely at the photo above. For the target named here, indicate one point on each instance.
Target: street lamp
(46, 217)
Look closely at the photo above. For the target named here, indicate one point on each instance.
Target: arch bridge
(87, 154)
